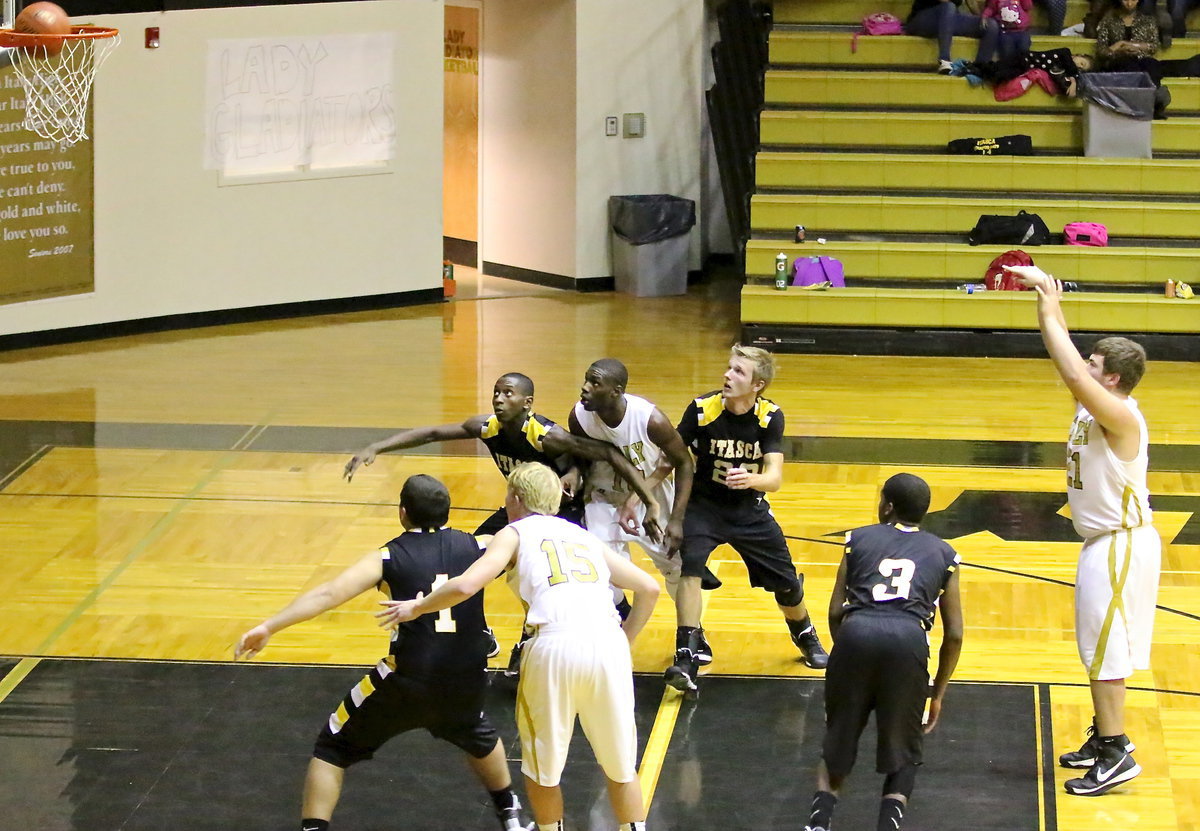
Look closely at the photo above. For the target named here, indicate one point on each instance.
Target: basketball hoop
(56, 72)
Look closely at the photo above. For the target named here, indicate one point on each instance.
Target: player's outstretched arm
(1106, 408)
(559, 441)
(355, 580)
(500, 553)
(625, 575)
(950, 604)
(415, 437)
(837, 599)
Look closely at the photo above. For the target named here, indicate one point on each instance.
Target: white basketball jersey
(632, 436)
(1105, 493)
(562, 575)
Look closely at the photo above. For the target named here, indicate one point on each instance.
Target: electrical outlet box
(610, 125)
(635, 125)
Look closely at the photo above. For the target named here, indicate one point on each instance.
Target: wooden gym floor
(159, 494)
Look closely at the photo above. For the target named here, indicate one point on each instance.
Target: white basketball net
(57, 87)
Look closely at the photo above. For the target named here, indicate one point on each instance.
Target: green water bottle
(781, 277)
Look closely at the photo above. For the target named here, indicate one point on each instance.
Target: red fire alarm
(151, 37)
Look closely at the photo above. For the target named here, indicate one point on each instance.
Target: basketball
(44, 19)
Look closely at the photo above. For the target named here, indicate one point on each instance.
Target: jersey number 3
(900, 574)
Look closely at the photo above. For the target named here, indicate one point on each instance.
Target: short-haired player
(577, 664)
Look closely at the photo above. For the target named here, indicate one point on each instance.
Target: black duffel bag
(1022, 229)
(1019, 145)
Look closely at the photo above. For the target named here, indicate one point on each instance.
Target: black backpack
(1022, 229)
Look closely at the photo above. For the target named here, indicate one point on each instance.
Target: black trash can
(1117, 114)
(649, 243)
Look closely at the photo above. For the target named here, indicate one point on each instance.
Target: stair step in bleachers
(1060, 133)
(833, 48)
(826, 12)
(841, 11)
(883, 172)
(924, 92)
(957, 263)
(775, 215)
(942, 309)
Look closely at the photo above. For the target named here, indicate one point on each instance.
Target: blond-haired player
(577, 663)
(736, 436)
(1117, 579)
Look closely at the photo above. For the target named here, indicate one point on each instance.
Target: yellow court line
(656, 746)
(16, 675)
(664, 725)
(1037, 733)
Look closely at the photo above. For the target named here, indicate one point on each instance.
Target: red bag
(997, 279)
(1085, 233)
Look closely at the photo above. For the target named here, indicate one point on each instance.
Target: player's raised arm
(1076, 372)
(355, 580)
(415, 437)
(559, 441)
(950, 605)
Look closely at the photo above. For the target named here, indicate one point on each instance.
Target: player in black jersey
(889, 586)
(736, 436)
(513, 434)
(435, 675)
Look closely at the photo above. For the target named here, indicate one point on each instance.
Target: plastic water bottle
(781, 264)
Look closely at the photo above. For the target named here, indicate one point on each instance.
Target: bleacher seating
(853, 147)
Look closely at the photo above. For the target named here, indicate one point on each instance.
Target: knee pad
(792, 596)
(902, 781)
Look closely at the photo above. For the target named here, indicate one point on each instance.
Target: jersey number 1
(445, 621)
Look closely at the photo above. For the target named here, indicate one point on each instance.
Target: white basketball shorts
(1116, 587)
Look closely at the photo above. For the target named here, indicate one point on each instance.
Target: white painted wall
(527, 150)
(636, 56)
(170, 239)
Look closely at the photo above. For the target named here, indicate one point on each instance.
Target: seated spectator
(1125, 35)
(1013, 18)
(1179, 11)
(941, 19)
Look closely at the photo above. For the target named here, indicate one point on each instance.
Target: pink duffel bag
(1085, 233)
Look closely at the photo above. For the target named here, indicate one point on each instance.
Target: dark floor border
(545, 278)
(946, 343)
(460, 251)
(1049, 791)
(220, 317)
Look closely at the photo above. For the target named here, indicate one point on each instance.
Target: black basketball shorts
(753, 534)
(880, 662)
(382, 706)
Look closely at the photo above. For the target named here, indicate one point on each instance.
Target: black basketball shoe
(810, 647)
(683, 673)
(1085, 756)
(703, 650)
(1114, 765)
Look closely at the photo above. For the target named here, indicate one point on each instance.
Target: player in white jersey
(652, 444)
(577, 663)
(1117, 579)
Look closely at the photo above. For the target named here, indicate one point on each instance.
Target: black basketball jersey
(897, 568)
(449, 642)
(527, 447)
(721, 440)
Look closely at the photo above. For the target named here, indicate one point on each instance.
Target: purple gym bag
(808, 271)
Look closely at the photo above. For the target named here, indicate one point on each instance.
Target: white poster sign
(308, 102)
